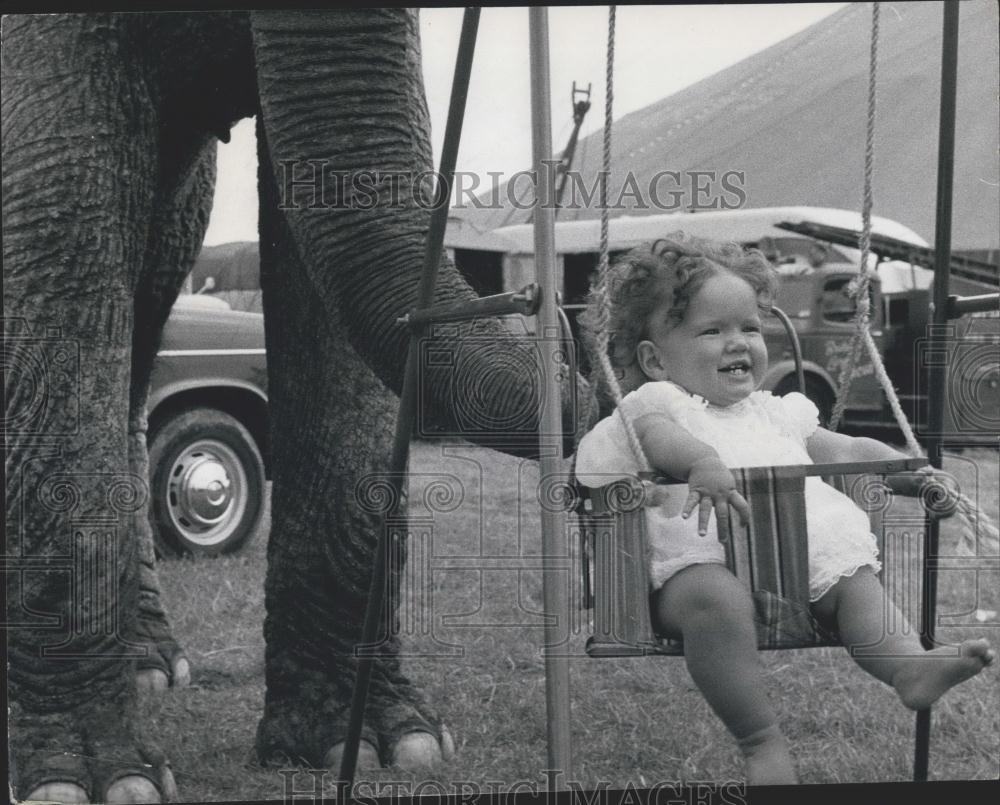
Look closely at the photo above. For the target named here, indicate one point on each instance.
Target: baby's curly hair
(669, 270)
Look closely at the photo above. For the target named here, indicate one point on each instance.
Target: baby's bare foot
(767, 757)
(922, 680)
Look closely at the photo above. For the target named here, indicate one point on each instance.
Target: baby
(685, 326)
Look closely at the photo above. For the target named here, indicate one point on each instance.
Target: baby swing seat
(769, 555)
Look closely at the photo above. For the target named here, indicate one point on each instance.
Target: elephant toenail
(151, 681)
(182, 674)
(132, 789)
(367, 756)
(447, 743)
(168, 785)
(416, 750)
(69, 793)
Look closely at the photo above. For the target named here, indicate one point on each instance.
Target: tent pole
(937, 373)
(554, 544)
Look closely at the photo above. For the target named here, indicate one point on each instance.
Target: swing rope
(599, 335)
(967, 512)
(860, 287)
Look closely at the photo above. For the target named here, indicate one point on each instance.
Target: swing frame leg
(554, 589)
(938, 373)
(922, 746)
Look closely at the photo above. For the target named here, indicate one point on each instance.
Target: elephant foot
(90, 753)
(310, 733)
(294, 732)
(308, 703)
(72, 778)
(125, 790)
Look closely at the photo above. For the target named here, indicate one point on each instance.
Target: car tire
(206, 482)
(816, 390)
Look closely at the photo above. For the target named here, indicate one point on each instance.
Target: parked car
(208, 429)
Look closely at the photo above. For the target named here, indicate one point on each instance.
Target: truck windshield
(795, 296)
(836, 304)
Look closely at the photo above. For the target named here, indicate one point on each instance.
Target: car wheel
(816, 390)
(207, 484)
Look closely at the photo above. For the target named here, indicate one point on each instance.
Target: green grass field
(474, 638)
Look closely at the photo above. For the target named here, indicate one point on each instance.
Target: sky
(659, 50)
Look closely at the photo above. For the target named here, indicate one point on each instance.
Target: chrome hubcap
(206, 492)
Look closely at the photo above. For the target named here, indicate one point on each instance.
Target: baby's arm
(674, 451)
(825, 446)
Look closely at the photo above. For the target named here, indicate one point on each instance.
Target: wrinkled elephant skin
(109, 141)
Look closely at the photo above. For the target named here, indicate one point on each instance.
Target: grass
(476, 652)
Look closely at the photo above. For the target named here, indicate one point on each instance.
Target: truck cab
(822, 311)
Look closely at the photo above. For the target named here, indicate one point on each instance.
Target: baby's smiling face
(717, 351)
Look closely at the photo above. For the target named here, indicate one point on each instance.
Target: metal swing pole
(556, 595)
(408, 395)
(937, 372)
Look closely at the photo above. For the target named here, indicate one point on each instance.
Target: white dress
(761, 430)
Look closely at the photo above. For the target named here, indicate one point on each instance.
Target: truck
(816, 270)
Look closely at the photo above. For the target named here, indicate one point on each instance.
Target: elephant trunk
(353, 202)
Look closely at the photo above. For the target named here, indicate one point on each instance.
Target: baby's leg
(873, 630)
(712, 612)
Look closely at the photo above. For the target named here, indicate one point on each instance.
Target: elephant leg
(332, 421)
(70, 510)
(75, 232)
(180, 219)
